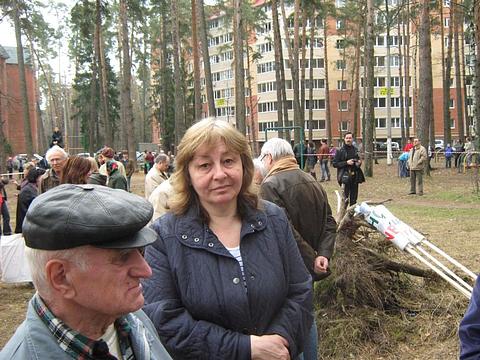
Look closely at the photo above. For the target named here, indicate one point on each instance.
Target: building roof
(3, 53)
(12, 55)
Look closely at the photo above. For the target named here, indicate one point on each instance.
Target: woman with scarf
(115, 179)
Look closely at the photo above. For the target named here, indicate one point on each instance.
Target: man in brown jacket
(416, 162)
(307, 208)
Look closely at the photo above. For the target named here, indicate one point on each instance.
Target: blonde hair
(207, 132)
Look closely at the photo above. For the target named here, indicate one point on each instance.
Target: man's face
(348, 139)
(57, 160)
(416, 142)
(267, 161)
(109, 286)
(163, 166)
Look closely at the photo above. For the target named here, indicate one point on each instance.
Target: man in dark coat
(308, 210)
(349, 173)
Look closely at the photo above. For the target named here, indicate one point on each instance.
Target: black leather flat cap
(69, 216)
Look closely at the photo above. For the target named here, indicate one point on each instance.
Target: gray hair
(277, 148)
(258, 165)
(54, 149)
(38, 259)
(161, 158)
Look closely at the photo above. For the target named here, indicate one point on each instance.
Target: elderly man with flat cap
(84, 247)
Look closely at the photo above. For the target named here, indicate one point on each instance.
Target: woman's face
(216, 174)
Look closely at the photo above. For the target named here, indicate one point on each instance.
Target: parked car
(84, 154)
(395, 146)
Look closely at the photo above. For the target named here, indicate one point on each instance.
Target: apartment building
(261, 99)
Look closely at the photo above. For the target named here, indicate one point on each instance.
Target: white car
(439, 144)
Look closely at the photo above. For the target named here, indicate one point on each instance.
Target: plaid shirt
(79, 346)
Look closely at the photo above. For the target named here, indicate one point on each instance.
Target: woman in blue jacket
(228, 280)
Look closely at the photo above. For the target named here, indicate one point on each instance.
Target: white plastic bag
(13, 263)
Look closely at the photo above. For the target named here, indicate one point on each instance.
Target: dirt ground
(447, 214)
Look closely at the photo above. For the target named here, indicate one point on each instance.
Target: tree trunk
(402, 83)
(356, 82)
(407, 71)
(446, 72)
(310, 76)
(458, 81)
(197, 87)
(476, 11)
(369, 113)
(328, 118)
(206, 57)
(303, 63)
(102, 74)
(280, 80)
(126, 83)
(179, 103)
(239, 67)
(23, 82)
(293, 60)
(253, 126)
(425, 91)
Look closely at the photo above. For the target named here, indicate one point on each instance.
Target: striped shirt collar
(77, 345)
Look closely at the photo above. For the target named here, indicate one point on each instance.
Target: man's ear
(58, 276)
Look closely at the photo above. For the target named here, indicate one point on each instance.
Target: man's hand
(350, 162)
(320, 265)
(269, 347)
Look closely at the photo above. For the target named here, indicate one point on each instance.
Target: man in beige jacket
(416, 162)
(157, 174)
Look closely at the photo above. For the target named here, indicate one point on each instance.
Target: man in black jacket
(349, 173)
(307, 208)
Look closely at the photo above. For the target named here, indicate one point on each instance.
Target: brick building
(11, 113)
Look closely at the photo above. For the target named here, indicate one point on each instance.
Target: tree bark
(476, 11)
(458, 80)
(310, 76)
(126, 83)
(239, 67)
(179, 101)
(197, 87)
(425, 91)
(369, 113)
(280, 80)
(23, 82)
(206, 57)
(446, 72)
(328, 118)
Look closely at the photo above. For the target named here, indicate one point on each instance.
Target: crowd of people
(218, 260)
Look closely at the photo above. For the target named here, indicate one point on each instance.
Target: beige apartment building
(261, 99)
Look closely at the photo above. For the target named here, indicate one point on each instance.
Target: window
(340, 24)
(380, 40)
(452, 103)
(317, 104)
(344, 125)
(341, 84)
(266, 67)
(316, 124)
(265, 28)
(316, 83)
(264, 48)
(343, 105)
(381, 123)
(317, 43)
(394, 60)
(341, 64)
(445, 42)
(267, 87)
(446, 22)
(340, 44)
(225, 111)
(380, 102)
(379, 82)
(379, 60)
(339, 3)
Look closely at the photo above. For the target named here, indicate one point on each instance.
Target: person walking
(417, 161)
(349, 174)
(129, 168)
(323, 156)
